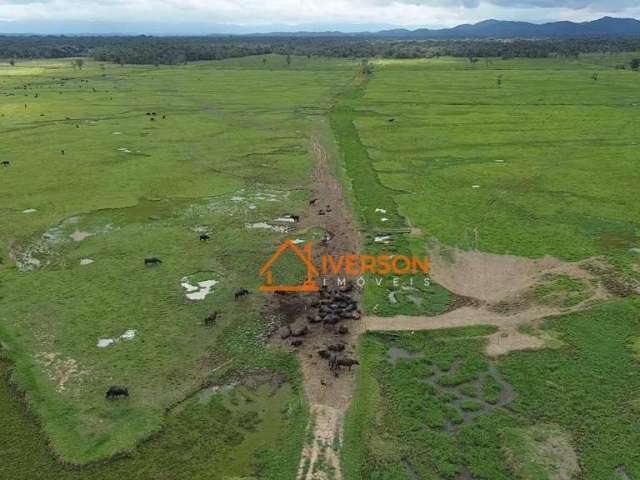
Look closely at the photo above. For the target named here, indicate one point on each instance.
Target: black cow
(326, 354)
(5, 163)
(241, 293)
(210, 319)
(116, 391)
(336, 347)
(296, 218)
(204, 237)
(152, 261)
(313, 201)
(346, 362)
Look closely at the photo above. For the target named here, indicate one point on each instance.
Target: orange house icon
(309, 285)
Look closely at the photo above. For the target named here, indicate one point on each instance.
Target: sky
(244, 16)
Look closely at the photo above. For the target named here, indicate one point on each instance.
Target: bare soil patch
(495, 290)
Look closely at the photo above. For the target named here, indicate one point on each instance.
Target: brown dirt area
(494, 281)
(328, 395)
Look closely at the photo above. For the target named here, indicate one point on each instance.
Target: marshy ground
(517, 360)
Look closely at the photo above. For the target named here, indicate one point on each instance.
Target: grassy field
(110, 165)
(113, 164)
(543, 164)
(521, 157)
(431, 405)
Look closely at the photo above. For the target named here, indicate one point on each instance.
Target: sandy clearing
(320, 452)
(490, 279)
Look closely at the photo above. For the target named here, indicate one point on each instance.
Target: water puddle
(78, 235)
(266, 226)
(107, 342)
(198, 290)
(394, 354)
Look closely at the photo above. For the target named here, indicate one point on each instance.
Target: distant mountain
(606, 26)
(603, 27)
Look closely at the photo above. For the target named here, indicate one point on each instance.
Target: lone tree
(288, 59)
(635, 64)
(594, 77)
(499, 80)
(78, 63)
(12, 62)
(365, 67)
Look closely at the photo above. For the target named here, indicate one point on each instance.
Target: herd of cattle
(333, 306)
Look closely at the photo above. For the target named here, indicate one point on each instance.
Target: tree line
(176, 50)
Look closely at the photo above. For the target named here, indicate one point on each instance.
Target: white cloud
(411, 13)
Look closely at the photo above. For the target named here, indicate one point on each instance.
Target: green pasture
(113, 164)
(441, 409)
(543, 164)
(525, 157)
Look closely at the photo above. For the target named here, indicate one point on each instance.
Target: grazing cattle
(392, 119)
(313, 201)
(5, 163)
(210, 319)
(336, 347)
(299, 332)
(117, 392)
(204, 237)
(296, 218)
(241, 293)
(346, 362)
(333, 361)
(326, 354)
(285, 332)
(343, 330)
(152, 261)
(296, 343)
(321, 212)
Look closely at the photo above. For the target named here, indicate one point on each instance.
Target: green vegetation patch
(541, 452)
(535, 415)
(114, 164)
(561, 290)
(234, 431)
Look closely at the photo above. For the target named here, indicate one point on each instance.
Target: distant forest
(176, 50)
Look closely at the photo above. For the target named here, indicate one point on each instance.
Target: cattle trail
(328, 395)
